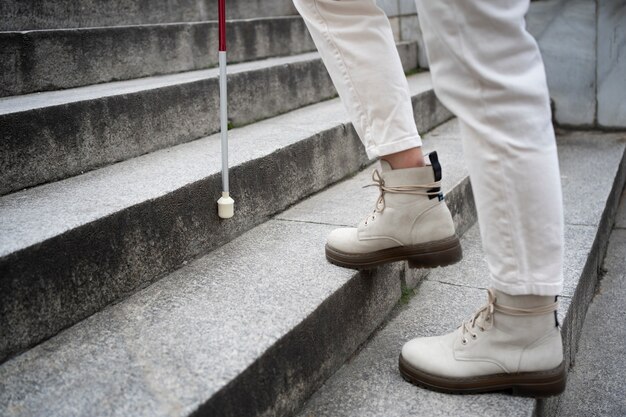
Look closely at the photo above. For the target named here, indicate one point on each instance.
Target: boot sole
(527, 384)
(426, 255)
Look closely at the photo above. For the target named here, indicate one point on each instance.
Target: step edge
(419, 94)
(144, 84)
(148, 25)
(458, 191)
(574, 317)
(190, 249)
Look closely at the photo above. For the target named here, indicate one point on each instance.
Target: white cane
(225, 205)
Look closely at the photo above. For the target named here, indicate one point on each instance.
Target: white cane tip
(225, 206)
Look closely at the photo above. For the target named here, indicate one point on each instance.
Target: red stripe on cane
(222, 23)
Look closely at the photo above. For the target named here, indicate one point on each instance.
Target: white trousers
(487, 69)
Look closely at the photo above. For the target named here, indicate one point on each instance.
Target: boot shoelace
(483, 317)
(416, 189)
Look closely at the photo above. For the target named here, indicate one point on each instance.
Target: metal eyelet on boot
(474, 337)
(464, 342)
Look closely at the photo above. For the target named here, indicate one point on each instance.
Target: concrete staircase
(122, 293)
(369, 384)
(595, 381)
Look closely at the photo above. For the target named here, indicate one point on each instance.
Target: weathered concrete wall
(611, 63)
(405, 25)
(566, 32)
(583, 43)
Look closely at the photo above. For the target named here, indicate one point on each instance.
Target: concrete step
(58, 134)
(595, 386)
(369, 384)
(46, 60)
(253, 328)
(61, 14)
(69, 248)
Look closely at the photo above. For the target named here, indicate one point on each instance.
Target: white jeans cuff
(528, 287)
(394, 146)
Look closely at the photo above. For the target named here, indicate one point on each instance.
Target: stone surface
(407, 7)
(589, 164)
(59, 59)
(596, 382)
(142, 336)
(410, 30)
(395, 28)
(54, 135)
(369, 385)
(566, 34)
(390, 7)
(58, 14)
(69, 248)
(264, 320)
(541, 14)
(409, 53)
(611, 50)
(620, 219)
(197, 340)
(582, 45)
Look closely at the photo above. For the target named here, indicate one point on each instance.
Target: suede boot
(511, 343)
(411, 222)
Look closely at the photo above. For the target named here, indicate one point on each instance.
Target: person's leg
(411, 221)
(411, 158)
(488, 70)
(356, 43)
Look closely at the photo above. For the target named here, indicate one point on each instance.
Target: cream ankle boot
(513, 342)
(411, 222)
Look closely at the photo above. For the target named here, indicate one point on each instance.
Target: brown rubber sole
(426, 255)
(527, 384)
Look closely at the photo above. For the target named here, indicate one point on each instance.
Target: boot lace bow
(483, 320)
(429, 189)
